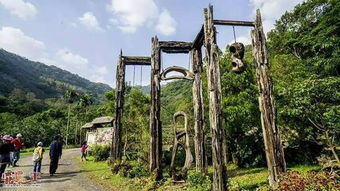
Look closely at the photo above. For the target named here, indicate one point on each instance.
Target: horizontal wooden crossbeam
(173, 47)
(234, 23)
(136, 60)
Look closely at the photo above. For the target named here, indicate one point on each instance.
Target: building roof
(87, 126)
(101, 120)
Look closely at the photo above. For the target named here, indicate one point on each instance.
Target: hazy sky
(85, 36)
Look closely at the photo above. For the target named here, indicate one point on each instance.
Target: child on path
(37, 157)
(83, 151)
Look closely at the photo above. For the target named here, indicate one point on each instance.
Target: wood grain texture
(273, 146)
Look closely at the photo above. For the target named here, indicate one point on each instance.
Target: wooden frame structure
(207, 38)
(116, 150)
(174, 47)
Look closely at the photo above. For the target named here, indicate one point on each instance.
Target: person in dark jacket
(55, 154)
(5, 148)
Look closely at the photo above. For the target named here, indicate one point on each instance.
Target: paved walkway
(68, 176)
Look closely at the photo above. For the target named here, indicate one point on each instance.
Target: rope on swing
(141, 76)
(234, 33)
(134, 74)
(189, 65)
(161, 63)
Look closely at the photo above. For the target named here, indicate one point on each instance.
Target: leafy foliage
(99, 152)
(294, 180)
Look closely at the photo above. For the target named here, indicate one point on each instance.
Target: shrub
(137, 169)
(318, 181)
(100, 152)
(198, 181)
(130, 169)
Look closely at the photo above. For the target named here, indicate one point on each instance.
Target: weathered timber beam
(198, 42)
(176, 51)
(175, 46)
(137, 60)
(234, 23)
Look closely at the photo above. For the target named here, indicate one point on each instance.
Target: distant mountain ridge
(42, 80)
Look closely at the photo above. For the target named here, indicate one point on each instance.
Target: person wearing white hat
(37, 157)
(5, 148)
(18, 143)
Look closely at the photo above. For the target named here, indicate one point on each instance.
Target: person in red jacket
(18, 143)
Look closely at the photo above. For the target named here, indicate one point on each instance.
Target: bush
(198, 181)
(137, 169)
(318, 181)
(100, 152)
(130, 169)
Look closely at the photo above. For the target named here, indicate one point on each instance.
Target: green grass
(100, 172)
(244, 179)
(252, 178)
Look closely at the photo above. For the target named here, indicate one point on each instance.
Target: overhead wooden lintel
(175, 46)
(137, 60)
(176, 51)
(234, 23)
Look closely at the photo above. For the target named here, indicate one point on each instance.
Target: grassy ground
(246, 179)
(101, 173)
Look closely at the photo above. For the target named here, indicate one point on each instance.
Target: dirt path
(68, 176)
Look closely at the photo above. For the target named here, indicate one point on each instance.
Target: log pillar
(214, 93)
(197, 91)
(155, 119)
(116, 152)
(273, 145)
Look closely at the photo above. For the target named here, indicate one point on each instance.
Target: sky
(85, 36)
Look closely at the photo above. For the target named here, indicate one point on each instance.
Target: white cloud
(101, 70)
(128, 29)
(272, 10)
(23, 10)
(129, 15)
(14, 40)
(132, 14)
(166, 24)
(71, 58)
(90, 21)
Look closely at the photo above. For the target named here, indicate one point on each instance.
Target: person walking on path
(83, 151)
(55, 154)
(18, 143)
(6, 147)
(37, 157)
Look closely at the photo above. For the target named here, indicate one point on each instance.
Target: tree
(70, 97)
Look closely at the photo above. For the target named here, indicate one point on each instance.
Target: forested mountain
(42, 80)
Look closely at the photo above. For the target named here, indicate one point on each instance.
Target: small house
(99, 131)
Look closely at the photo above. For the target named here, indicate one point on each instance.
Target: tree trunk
(155, 120)
(214, 93)
(273, 146)
(68, 123)
(116, 150)
(201, 163)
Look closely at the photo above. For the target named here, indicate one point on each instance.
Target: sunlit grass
(101, 173)
(244, 178)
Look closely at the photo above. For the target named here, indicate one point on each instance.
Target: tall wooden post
(197, 91)
(274, 150)
(214, 93)
(155, 120)
(116, 152)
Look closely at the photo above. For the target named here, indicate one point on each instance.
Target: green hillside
(42, 80)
